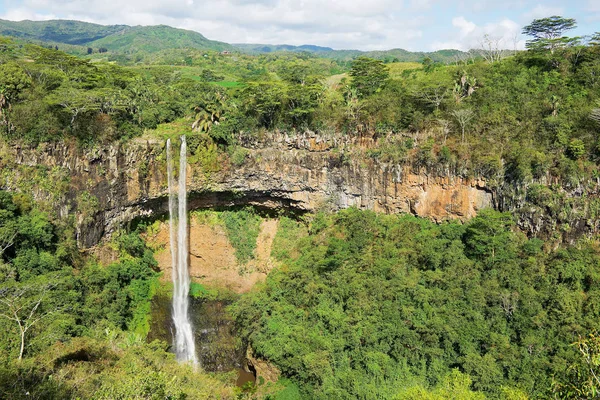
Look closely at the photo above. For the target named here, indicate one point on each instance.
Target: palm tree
(209, 112)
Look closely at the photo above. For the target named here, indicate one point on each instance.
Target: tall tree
(547, 33)
(463, 117)
(368, 75)
(26, 305)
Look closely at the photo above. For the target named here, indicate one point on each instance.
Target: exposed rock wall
(212, 259)
(302, 173)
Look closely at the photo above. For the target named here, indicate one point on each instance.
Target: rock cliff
(110, 185)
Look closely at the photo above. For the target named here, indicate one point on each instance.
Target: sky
(415, 25)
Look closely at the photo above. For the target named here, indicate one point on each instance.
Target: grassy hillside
(58, 31)
(151, 39)
(115, 38)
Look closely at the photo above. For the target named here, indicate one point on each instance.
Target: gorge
(214, 225)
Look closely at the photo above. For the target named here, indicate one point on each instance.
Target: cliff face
(212, 260)
(113, 184)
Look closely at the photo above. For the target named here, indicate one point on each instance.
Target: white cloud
(19, 14)
(348, 24)
(379, 24)
(543, 11)
(506, 33)
(593, 9)
(466, 27)
(593, 6)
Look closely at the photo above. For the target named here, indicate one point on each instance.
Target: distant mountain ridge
(271, 48)
(58, 31)
(125, 39)
(391, 55)
(114, 38)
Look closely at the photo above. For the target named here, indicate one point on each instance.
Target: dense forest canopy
(372, 305)
(362, 305)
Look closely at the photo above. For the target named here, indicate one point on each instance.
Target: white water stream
(185, 348)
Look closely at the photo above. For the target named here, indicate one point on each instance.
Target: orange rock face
(212, 259)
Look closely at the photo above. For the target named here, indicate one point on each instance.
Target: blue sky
(342, 24)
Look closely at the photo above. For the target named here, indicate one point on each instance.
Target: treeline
(374, 306)
(533, 115)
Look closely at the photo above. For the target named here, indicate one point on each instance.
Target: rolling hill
(402, 55)
(115, 38)
(128, 40)
(58, 31)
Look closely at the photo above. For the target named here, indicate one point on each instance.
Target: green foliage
(576, 149)
(368, 76)
(199, 291)
(62, 31)
(454, 386)
(582, 380)
(243, 227)
(394, 55)
(121, 39)
(288, 232)
(121, 292)
(238, 156)
(375, 306)
(13, 80)
(547, 33)
(289, 392)
(111, 365)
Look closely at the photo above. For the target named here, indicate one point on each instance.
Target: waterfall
(185, 348)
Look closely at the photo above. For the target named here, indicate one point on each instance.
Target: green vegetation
(58, 31)
(363, 305)
(376, 306)
(151, 39)
(73, 328)
(394, 55)
(109, 364)
(289, 232)
(115, 39)
(243, 227)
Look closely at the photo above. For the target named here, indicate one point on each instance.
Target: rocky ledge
(109, 186)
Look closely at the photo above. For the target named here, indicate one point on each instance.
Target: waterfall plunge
(185, 348)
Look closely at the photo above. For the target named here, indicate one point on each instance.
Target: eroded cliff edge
(110, 185)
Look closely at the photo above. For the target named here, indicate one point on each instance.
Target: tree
(491, 49)
(428, 64)
(264, 101)
(583, 380)
(209, 111)
(13, 80)
(24, 304)
(463, 117)
(368, 75)
(433, 95)
(548, 32)
(303, 100)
